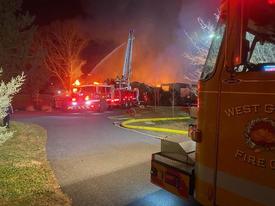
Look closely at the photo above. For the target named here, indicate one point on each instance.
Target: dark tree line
(40, 52)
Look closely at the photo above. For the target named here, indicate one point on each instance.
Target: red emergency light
(271, 2)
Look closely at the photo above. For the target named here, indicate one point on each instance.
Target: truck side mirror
(194, 133)
(241, 58)
(245, 51)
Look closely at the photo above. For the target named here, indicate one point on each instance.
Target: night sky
(158, 25)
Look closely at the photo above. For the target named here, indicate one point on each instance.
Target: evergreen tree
(16, 35)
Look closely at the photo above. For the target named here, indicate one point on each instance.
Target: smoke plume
(160, 41)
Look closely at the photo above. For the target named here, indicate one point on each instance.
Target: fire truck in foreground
(231, 158)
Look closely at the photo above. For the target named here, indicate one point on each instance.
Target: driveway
(97, 163)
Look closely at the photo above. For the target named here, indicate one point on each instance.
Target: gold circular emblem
(260, 134)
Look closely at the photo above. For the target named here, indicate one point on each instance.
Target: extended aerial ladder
(127, 66)
(125, 94)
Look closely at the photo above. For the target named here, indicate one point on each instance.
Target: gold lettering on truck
(239, 154)
(259, 136)
(241, 110)
(261, 163)
(254, 160)
(248, 109)
(269, 108)
(251, 160)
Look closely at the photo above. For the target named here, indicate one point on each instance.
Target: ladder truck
(95, 96)
(230, 159)
(127, 67)
(126, 96)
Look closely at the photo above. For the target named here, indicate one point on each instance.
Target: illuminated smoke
(160, 41)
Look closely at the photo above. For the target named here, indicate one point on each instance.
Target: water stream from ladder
(106, 58)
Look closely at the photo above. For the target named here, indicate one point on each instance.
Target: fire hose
(127, 123)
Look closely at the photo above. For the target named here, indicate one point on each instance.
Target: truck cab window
(211, 59)
(260, 52)
(264, 52)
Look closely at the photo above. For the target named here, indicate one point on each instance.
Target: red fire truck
(100, 96)
(97, 97)
(90, 97)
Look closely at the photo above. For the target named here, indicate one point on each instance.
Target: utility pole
(155, 94)
(173, 100)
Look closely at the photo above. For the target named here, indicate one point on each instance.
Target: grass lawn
(26, 178)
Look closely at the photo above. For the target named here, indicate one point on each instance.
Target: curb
(119, 117)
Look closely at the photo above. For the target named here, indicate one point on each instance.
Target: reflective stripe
(224, 92)
(242, 187)
(246, 188)
(252, 93)
(210, 92)
(253, 81)
(204, 173)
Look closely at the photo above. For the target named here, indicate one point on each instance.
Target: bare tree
(64, 43)
(201, 42)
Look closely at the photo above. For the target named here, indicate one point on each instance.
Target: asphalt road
(97, 163)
